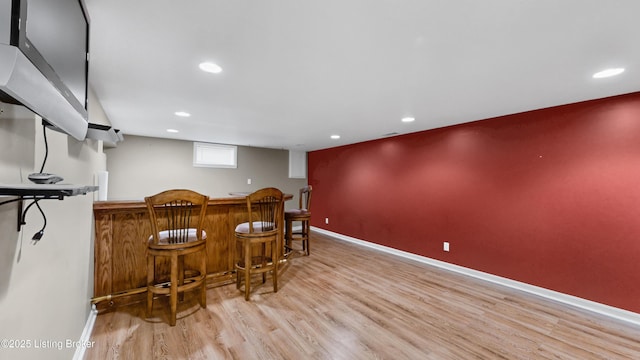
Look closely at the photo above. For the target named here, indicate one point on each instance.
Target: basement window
(215, 155)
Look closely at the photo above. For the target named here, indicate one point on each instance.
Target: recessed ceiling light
(172, 131)
(408, 119)
(608, 73)
(210, 67)
(182, 114)
(335, 137)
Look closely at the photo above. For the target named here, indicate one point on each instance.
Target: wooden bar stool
(176, 219)
(303, 215)
(258, 241)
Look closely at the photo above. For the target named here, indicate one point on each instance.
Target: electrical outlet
(445, 246)
(248, 181)
(326, 220)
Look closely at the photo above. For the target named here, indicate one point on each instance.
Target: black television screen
(54, 36)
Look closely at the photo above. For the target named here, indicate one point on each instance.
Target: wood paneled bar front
(122, 229)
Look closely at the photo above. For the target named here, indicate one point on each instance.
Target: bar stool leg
(203, 272)
(288, 236)
(305, 234)
(173, 297)
(180, 277)
(247, 269)
(150, 278)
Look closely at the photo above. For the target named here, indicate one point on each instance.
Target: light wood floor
(349, 302)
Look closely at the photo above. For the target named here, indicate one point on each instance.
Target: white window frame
(215, 155)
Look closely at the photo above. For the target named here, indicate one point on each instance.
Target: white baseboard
(606, 310)
(85, 338)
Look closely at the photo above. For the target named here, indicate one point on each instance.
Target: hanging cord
(37, 236)
(46, 147)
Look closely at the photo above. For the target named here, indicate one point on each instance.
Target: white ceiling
(296, 71)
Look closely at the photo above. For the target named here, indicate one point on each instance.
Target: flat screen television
(53, 35)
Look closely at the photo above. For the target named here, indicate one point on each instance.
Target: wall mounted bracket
(39, 192)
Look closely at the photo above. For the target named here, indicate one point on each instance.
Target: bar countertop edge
(140, 204)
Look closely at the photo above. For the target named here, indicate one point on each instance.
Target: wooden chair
(177, 217)
(303, 215)
(258, 240)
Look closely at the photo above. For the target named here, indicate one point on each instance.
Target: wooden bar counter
(122, 229)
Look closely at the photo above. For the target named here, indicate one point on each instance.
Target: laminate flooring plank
(350, 302)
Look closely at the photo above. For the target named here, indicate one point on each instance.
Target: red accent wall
(549, 197)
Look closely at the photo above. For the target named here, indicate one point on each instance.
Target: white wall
(142, 166)
(45, 289)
